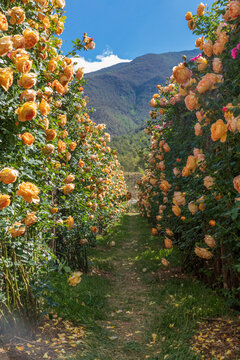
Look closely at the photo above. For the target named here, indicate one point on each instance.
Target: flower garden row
(60, 182)
(190, 191)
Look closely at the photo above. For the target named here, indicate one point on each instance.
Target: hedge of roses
(60, 182)
(190, 191)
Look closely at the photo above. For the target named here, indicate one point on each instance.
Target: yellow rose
(28, 95)
(236, 183)
(209, 241)
(4, 201)
(80, 73)
(192, 207)
(27, 81)
(69, 179)
(176, 210)
(8, 175)
(28, 138)
(203, 253)
(208, 182)
(181, 74)
(18, 42)
(6, 78)
(61, 146)
(219, 131)
(23, 64)
(188, 16)
(6, 45)
(27, 111)
(179, 198)
(17, 15)
(200, 9)
(70, 222)
(29, 192)
(30, 219)
(44, 107)
(3, 22)
(31, 38)
(191, 102)
(68, 188)
(17, 229)
(75, 278)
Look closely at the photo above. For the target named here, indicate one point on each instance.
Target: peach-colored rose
(58, 87)
(192, 24)
(4, 201)
(203, 253)
(68, 72)
(169, 232)
(202, 63)
(176, 171)
(30, 219)
(51, 134)
(6, 45)
(23, 64)
(208, 182)
(3, 22)
(17, 229)
(209, 241)
(44, 107)
(218, 47)
(70, 222)
(191, 102)
(8, 175)
(69, 179)
(185, 171)
(199, 43)
(208, 48)
(217, 65)
(27, 138)
(17, 15)
(31, 38)
(72, 146)
(166, 147)
(200, 115)
(48, 149)
(176, 210)
(188, 16)
(179, 198)
(165, 186)
(27, 81)
(181, 74)
(52, 65)
(198, 129)
(191, 163)
(61, 146)
(68, 188)
(27, 111)
(236, 183)
(18, 42)
(219, 131)
(59, 3)
(80, 73)
(29, 192)
(201, 9)
(193, 208)
(207, 83)
(234, 9)
(63, 120)
(165, 262)
(28, 95)
(6, 78)
(168, 243)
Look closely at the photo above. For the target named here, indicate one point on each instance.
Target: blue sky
(129, 28)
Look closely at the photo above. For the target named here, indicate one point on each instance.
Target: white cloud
(102, 61)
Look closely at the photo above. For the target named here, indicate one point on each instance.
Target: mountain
(121, 93)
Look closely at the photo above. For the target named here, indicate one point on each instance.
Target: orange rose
(199, 43)
(209, 241)
(31, 38)
(69, 179)
(27, 111)
(28, 95)
(218, 47)
(17, 15)
(207, 83)
(48, 149)
(236, 183)
(80, 73)
(208, 48)
(63, 120)
(31, 219)
(191, 102)
(203, 253)
(27, 138)
(18, 42)
(165, 262)
(234, 9)
(181, 74)
(61, 146)
(53, 210)
(192, 207)
(4, 201)
(52, 65)
(23, 64)
(176, 210)
(208, 182)
(68, 72)
(179, 198)
(8, 175)
(70, 222)
(3, 22)
(169, 232)
(29, 192)
(59, 3)
(168, 243)
(6, 78)
(27, 81)
(51, 134)
(17, 229)
(58, 87)
(166, 147)
(217, 65)
(68, 188)
(6, 45)
(191, 163)
(200, 9)
(188, 16)
(165, 186)
(44, 107)
(72, 146)
(219, 131)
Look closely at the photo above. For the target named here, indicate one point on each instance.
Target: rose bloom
(68, 188)
(6, 78)
(51, 134)
(48, 149)
(44, 107)
(8, 175)
(27, 81)
(75, 278)
(63, 120)
(59, 3)
(31, 38)
(70, 178)
(29, 192)
(166, 147)
(207, 83)
(208, 182)
(209, 241)
(68, 72)
(80, 73)
(53, 210)
(23, 64)
(219, 131)
(30, 219)
(181, 74)
(168, 243)
(42, 2)
(200, 9)
(17, 15)
(188, 16)
(217, 65)
(27, 138)
(3, 22)
(234, 9)
(198, 129)
(199, 43)
(27, 111)
(202, 63)
(61, 146)
(4, 201)
(199, 115)
(176, 171)
(208, 48)
(191, 163)
(218, 47)
(176, 210)
(193, 208)
(179, 198)
(18, 42)
(191, 102)
(17, 229)
(185, 171)
(203, 253)
(165, 186)
(52, 65)
(236, 183)
(169, 232)
(58, 87)
(6, 45)
(70, 222)
(28, 95)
